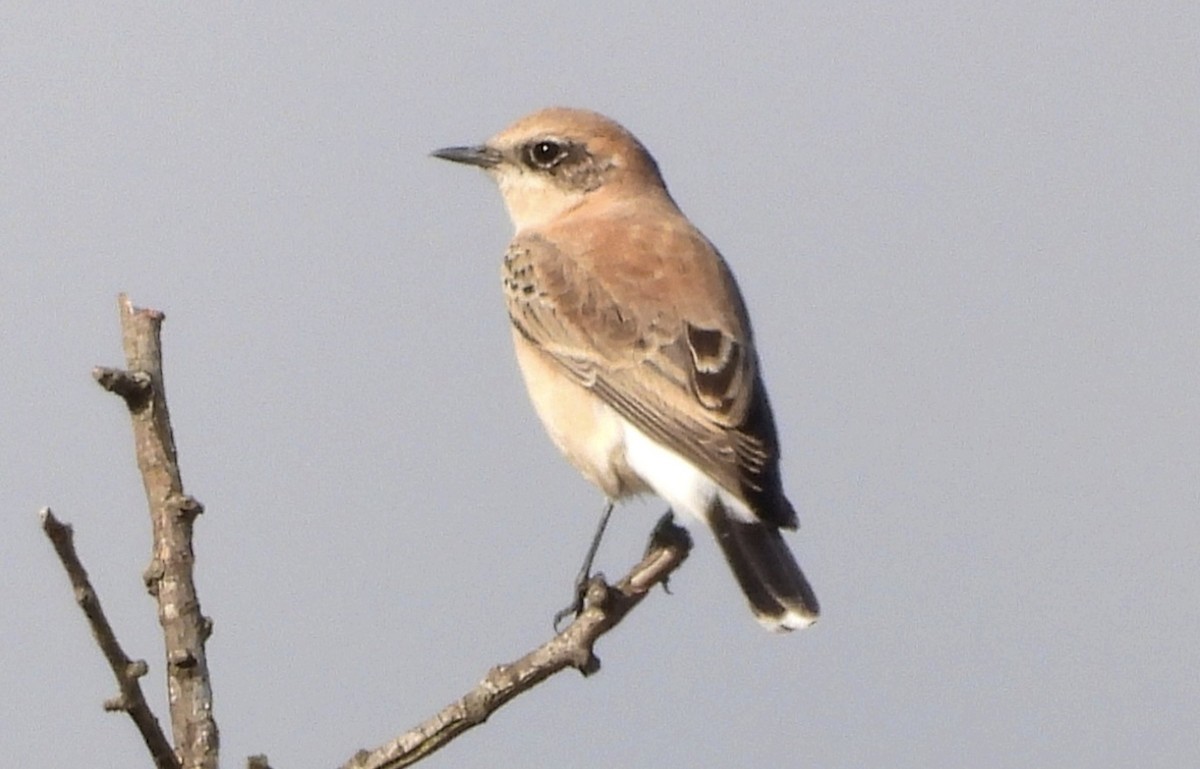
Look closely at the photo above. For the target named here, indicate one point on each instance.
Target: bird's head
(549, 162)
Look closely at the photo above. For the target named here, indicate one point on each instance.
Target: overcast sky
(969, 237)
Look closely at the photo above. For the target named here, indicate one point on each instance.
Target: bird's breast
(584, 428)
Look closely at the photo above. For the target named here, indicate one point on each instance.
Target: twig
(172, 513)
(604, 607)
(127, 671)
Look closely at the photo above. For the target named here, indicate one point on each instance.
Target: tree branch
(185, 629)
(127, 671)
(604, 607)
(172, 513)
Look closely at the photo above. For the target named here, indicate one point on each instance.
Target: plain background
(969, 239)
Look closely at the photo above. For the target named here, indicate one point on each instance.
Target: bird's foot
(583, 585)
(667, 532)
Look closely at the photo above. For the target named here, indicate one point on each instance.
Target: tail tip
(790, 619)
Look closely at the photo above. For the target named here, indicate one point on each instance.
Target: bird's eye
(545, 154)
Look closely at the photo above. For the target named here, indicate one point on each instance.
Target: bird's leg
(585, 573)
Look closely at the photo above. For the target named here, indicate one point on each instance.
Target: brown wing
(682, 371)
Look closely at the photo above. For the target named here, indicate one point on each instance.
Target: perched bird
(635, 345)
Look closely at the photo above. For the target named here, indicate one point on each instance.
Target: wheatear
(635, 345)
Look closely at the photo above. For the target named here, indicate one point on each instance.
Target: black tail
(768, 574)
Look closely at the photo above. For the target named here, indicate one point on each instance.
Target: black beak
(482, 156)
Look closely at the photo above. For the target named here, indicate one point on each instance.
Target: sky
(969, 239)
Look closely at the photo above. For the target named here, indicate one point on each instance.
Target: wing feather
(682, 376)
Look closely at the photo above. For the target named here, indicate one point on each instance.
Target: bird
(635, 344)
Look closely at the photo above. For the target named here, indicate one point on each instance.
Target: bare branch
(604, 607)
(172, 513)
(127, 671)
(185, 629)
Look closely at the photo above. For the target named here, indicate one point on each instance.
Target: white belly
(608, 450)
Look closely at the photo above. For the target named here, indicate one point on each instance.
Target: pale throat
(533, 200)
